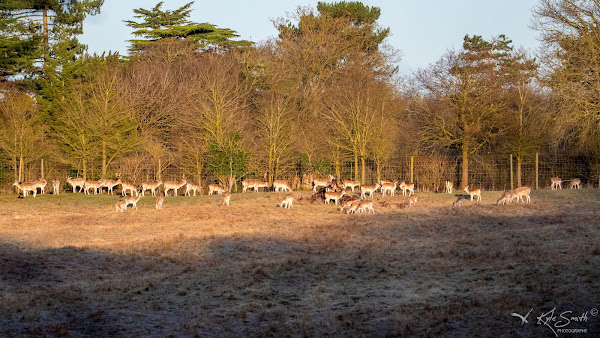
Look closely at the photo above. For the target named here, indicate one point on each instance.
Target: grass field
(70, 265)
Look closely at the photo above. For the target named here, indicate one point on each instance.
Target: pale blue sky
(422, 30)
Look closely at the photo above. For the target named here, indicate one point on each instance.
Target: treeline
(323, 94)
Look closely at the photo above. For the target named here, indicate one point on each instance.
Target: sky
(422, 30)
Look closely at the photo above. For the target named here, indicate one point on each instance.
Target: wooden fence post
(537, 170)
(511, 173)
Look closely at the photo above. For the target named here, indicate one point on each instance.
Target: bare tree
(22, 134)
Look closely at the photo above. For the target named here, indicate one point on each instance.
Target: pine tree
(157, 24)
(31, 29)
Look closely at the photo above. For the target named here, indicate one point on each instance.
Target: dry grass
(70, 265)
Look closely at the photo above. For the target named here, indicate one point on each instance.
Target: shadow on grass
(383, 277)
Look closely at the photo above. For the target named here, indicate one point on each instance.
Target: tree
(569, 31)
(157, 24)
(22, 134)
(525, 122)
(462, 100)
(31, 29)
(313, 53)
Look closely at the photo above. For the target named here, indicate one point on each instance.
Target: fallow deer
(287, 201)
(505, 199)
(121, 205)
(125, 187)
(410, 187)
(56, 186)
(334, 196)
(368, 189)
(575, 183)
(521, 193)
(365, 206)
(76, 183)
(389, 188)
(191, 187)
(225, 199)
(449, 187)
(412, 201)
(473, 193)
(25, 187)
(215, 188)
(170, 185)
(132, 200)
(556, 183)
(159, 202)
(350, 184)
(281, 185)
(152, 186)
(92, 185)
(459, 202)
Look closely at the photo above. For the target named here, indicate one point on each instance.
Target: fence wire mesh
(429, 173)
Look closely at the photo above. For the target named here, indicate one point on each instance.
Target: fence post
(537, 171)
(511, 173)
(412, 162)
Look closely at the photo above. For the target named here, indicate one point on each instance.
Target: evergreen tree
(157, 24)
(31, 29)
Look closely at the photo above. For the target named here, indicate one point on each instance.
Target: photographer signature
(558, 322)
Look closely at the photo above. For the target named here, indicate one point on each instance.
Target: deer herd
(328, 189)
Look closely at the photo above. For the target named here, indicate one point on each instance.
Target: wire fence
(429, 173)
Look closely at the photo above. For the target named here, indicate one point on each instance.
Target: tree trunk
(103, 160)
(356, 166)
(42, 167)
(465, 167)
(84, 170)
(362, 169)
(159, 170)
(519, 161)
(378, 171)
(20, 168)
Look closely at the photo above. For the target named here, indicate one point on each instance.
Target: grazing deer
(522, 192)
(254, 184)
(56, 186)
(412, 201)
(159, 202)
(109, 184)
(128, 187)
(287, 201)
(321, 182)
(365, 206)
(556, 183)
(121, 205)
(407, 187)
(191, 187)
(152, 186)
(347, 203)
(76, 183)
(449, 187)
(215, 188)
(472, 193)
(281, 185)
(225, 198)
(506, 198)
(25, 187)
(368, 189)
(132, 200)
(41, 184)
(389, 188)
(335, 196)
(170, 185)
(92, 185)
(459, 202)
(353, 207)
(350, 184)
(575, 183)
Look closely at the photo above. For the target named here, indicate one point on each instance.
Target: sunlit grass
(72, 265)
